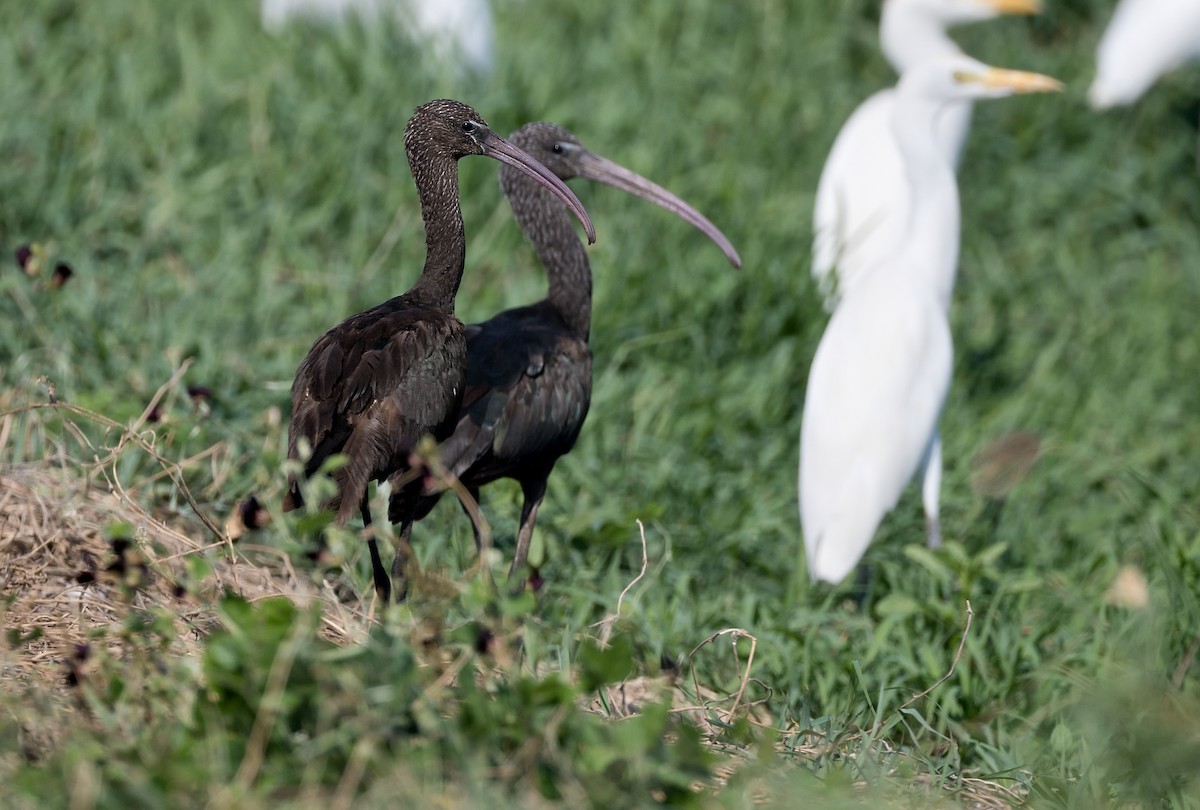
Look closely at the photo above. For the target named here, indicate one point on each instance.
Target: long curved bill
(602, 170)
(496, 147)
(1016, 6)
(1017, 81)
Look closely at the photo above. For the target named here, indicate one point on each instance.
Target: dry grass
(66, 580)
(63, 578)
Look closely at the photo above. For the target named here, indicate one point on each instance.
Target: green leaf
(16, 638)
(642, 732)
(199, 568)
(930, 561)
(313, 524)
(119, 530)
(537, 550)
(521, 604)
(897, 605)
(334, 463)
(600, 665)
(990, 555)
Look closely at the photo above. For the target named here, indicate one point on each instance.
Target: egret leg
(383, 585)
(534, 492)
(861, 592)
(931, 490)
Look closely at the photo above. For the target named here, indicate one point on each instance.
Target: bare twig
(127, 435)
(159, 394)
(448, 676)
(608, 622)
(212, 450)
(962, 643)
(352, 774)
(5, 430)
(734, 634)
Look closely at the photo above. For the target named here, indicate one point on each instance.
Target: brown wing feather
(369, 388)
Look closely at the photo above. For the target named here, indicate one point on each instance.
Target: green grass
(226, 196)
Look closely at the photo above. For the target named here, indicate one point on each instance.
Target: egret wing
(875, 393)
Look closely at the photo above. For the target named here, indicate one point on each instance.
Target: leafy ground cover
(223, 196)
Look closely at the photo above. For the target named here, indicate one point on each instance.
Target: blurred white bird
(882, 369)
(862, 197)
(455, 31)
(1145, 39)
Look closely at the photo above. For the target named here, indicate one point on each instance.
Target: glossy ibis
(373, 385)
(882, 369)
(1144, 40)
(529, 369)
(862, 197)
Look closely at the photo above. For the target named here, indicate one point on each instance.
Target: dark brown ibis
(529, 369)
(373, 385)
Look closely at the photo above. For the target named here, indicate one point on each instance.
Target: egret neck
(930, 246)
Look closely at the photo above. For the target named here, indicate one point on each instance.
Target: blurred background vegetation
(226, 195)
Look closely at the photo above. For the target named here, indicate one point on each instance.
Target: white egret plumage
(453, 31)
(862, 196)
(1144, 40)
(882, 370)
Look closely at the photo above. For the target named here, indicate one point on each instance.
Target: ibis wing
(345, 387)
(528, 390)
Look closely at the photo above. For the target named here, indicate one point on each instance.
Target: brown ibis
(529, 369)
(379, 381)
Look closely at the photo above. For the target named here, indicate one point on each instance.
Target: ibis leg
(475, 523)
(383, 585)
(534, 492)
(401, 560)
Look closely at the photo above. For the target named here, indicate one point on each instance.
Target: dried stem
(608, 622)
(962, 643)
(734, 633)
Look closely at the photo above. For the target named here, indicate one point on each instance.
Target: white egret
(882, 369)
(454, 31)
(862, 195)
(1145, 39)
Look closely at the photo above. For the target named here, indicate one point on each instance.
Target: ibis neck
(930, 248)
(910, 36)
(445, 236)
(547, 224)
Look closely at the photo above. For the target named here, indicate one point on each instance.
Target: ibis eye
(469, 127)
(558, 149)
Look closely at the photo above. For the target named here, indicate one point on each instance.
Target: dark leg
(474, 493)
(383, 585)
(861, 593)
(992, 511)
(534, 492)
(400, 561)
